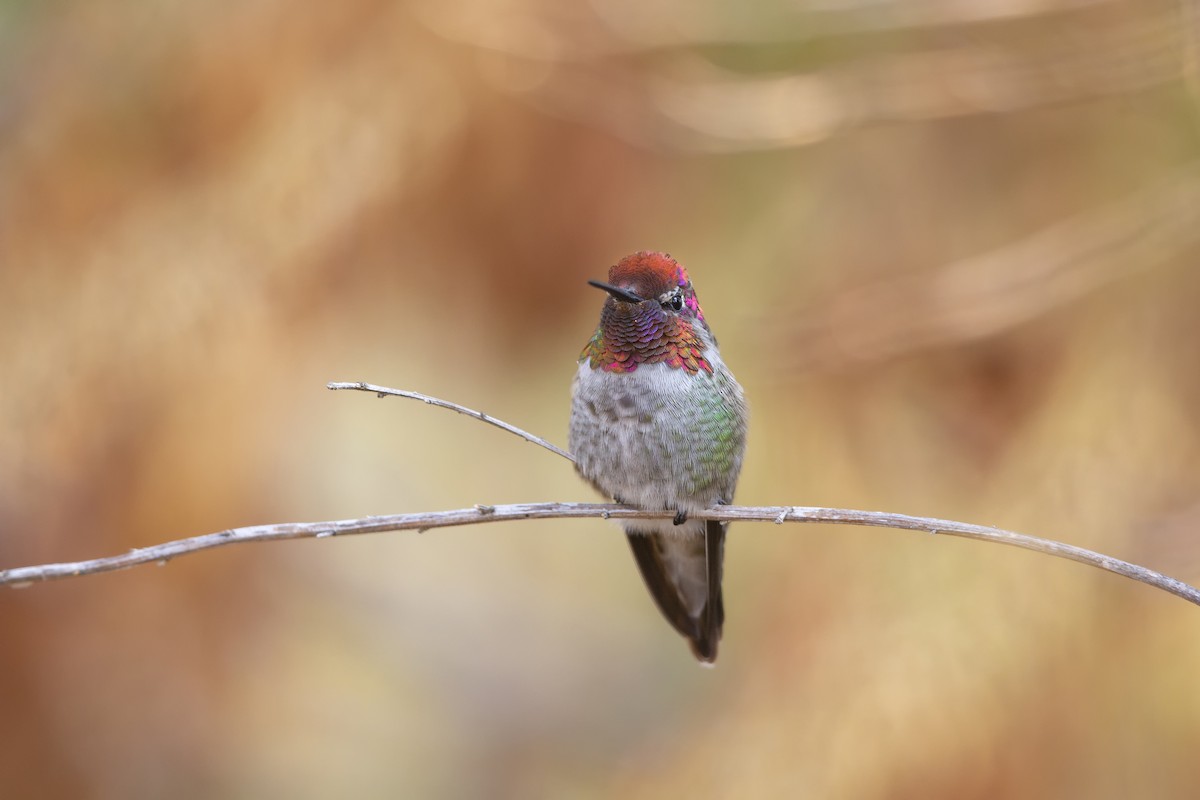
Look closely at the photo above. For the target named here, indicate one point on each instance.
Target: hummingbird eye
(673, 300)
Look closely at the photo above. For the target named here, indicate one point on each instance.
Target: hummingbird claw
(680, 518)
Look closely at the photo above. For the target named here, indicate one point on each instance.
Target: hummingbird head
(647, 277)
(651, 315)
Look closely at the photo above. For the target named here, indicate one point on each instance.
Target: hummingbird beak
(623, 295)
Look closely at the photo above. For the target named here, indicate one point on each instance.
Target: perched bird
(659, 422)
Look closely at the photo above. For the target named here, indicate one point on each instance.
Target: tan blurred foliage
(949, 248)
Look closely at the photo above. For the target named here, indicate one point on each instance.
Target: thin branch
(383, 391)
(161, 553)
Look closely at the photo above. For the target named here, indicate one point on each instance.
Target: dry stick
(383, 391)
(24, 576)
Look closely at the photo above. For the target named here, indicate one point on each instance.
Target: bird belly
(658, 438)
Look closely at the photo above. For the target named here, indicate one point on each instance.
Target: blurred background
(949, 247)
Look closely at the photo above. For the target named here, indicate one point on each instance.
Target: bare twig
(470, 412)
(161, 553)
(23, 576)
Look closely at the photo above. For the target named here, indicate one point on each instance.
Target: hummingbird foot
(680, 518)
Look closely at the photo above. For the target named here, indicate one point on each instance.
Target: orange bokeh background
(950, 252)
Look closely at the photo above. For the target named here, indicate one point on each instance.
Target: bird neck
(625, 341)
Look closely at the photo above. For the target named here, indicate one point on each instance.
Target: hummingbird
(658, 422)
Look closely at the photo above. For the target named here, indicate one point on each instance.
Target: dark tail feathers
(654, 560)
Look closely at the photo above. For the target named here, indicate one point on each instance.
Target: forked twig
(161, 553)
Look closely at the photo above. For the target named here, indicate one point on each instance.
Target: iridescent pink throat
(648, 335)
